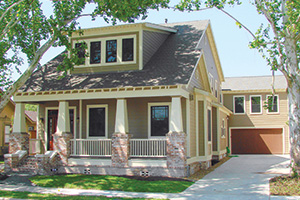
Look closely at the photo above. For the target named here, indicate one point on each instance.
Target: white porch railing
(148, 147)
(91, 147)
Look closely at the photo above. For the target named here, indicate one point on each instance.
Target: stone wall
(18, 141)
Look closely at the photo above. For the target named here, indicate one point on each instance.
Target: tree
(24, 28)
(278, 41)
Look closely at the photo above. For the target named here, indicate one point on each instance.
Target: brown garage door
(256, 141)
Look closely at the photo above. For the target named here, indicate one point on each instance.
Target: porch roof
(172, 64)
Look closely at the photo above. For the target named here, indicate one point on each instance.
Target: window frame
(6, 135)
(244, 104)
(103, 40)
(88, 121)
(255, 113)
(149, 117)
(276, 95)
(209, 125)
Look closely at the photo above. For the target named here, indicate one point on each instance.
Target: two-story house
(254, 127)
(146, 100)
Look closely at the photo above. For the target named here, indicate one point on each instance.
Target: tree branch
(238, 22)
(13, 88)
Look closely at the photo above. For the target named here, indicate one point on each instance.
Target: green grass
(97, 182)
(29, 195)
(285, 186)
(1, 162)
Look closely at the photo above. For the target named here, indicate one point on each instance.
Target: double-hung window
(256, 106)
(272, 104)
(239, 104)
(209, 125)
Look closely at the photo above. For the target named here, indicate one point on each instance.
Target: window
(223, 129)
(209, 131)
(97, 120)
(239, 104)
(80, 52)
(107, 51)
(111, 51)
(255, 102)
(211, 80)
(159, 120)
(272, 104)
(7, 131)
(127, 49)
(95, 52)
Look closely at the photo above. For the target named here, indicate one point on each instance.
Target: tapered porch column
(19, 138)
(62, 137)
(121, 138)
(176, 138)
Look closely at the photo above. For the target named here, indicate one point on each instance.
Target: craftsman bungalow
(145, 101)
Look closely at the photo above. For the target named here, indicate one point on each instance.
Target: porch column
(19, 138)
(62, 137)
(121, 138)
(176, 138)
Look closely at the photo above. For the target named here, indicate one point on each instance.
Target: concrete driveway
(242, 177)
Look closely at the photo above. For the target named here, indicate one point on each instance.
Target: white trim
(212, 86)
(163, 28)
(198, 159)
(7, 128)
(250, 100)
(149, 116)
(187, 102)
(103, 50)
(205, 126)
(216, 92)
(223, 126)
(211, 131)
(197, 125)
(234, 104)
(87, 120)
(270, 113)
(46, 121)
(261, 127)
(80, 119)
(103, 93)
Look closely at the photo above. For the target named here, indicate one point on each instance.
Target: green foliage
(98, 182)
(30, 107)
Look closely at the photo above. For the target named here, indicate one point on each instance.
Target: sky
(236, 58)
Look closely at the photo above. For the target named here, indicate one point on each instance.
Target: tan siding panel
(214, 129)
(201, 128)
(151, 42)
(193, 150)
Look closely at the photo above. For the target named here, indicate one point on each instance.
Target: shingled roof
(172, 64)
(253, 83)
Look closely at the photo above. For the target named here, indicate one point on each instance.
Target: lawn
(29, 195)
(98, 182)
(285, 186)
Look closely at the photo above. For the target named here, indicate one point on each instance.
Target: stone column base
(176, 150)
(62, 145)
(18, 141)
(120, 149)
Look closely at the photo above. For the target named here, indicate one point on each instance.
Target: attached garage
(257, 141)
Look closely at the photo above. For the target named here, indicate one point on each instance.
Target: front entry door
(52, 124)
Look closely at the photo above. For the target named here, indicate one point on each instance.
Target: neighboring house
(253, 128)
(146, 101)
(6, 118)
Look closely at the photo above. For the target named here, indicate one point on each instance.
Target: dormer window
(95, 53)
(108, 51)
(111, 51)
(80, 52)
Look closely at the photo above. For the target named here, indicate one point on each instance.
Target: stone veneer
(62, 145)
(18, 141)
(120, 149)
(176, 150)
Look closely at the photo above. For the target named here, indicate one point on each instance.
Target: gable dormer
(118, 48)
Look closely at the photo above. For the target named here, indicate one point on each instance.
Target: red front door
(52, 124)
